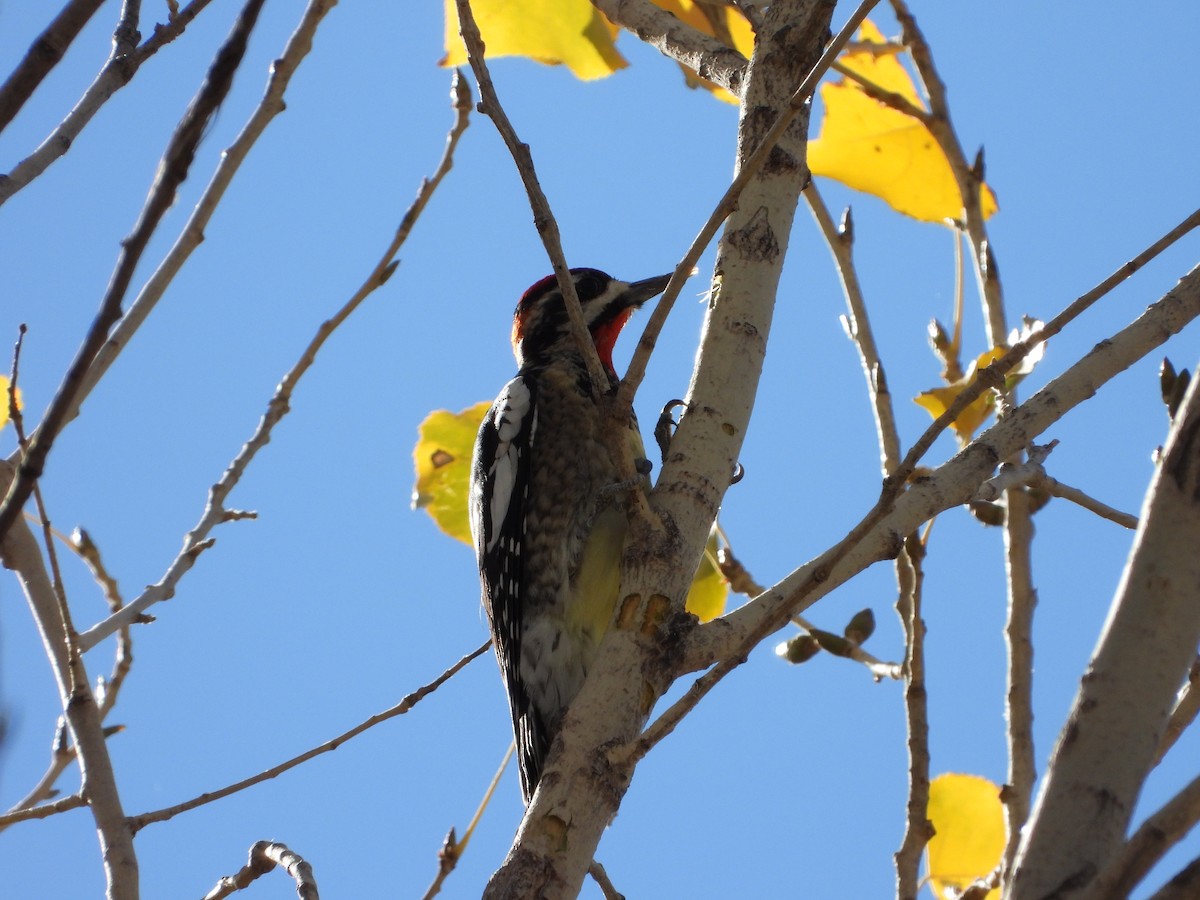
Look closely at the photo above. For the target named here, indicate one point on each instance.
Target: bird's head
(542, 332)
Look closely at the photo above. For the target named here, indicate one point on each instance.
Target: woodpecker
(546, 506)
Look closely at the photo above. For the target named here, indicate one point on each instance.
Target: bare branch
(910, 578)
(857, 325)
(19, 552)
(968, 176)
(543, 216)
(1184, 886)
(1187, 705)
(583, 782)
(265, 856)
(117, 72)
(176, 161)
(215, 512)
(1124, 702)
(706, 56)
(748, 168)
(1033, 474)
(604, 882)
(43, 55)
(1158, 834)
(23, 812)
(1017, 794)
(728, 638)
(138, 822)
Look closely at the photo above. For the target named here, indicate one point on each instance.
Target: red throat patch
(605, 335)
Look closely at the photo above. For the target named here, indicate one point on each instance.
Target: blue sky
(339, 599)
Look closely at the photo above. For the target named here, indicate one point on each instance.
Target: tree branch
(1125, 699)
(265, 856)
(117, 72)
(176, 161)
(1017, 794)
(706, 56)
(910, 578)
(43, 55)
(215, 513)
(19, 552)
(582, 786)
(1158, 834)
(543, 216)
(138, 822)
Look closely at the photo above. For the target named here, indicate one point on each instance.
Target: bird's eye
(588, 287)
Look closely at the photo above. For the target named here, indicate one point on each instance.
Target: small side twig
(116, 72)
(969, 176)
(543, 216)
(215, 512)
(1153, 838)
(1187, 705)
(604, 882)
(176, 162)
(728, 202)
(1017, 795)
(777, 607)
(1032, 474)
(452, 848)
(43, 55)
(857, 325)
(265, 856)
(705, 55)
(910, 579)
(138, 822)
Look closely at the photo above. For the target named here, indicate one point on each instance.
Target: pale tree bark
(584, 780)
(1111, 738)
(954, 482)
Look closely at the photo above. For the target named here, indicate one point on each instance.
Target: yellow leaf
(937, 400)
(724, 22)
(706, 597)
(4, 400)
(569, 32)
(443, 461)
(442, 456)
(966, 812)
(873, 148)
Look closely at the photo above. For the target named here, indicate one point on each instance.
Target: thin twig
(968, 176)
(1184, 885)
(176, 162)
(857, 325)
(231, 158)
(779, 608)
(728, 202)
(1187, 705)
(19, 551)
(910, 579)
(1017, 795)
(43, 55)
(265, 856)
(452, 848)
(215, 512)
(604, 882)
(117, 72)
(543, 216)
(23, 813)
(138, 822)
(1066, 492)
(705, 55)
(852, 650)
(1033, 474)
(1153, 838)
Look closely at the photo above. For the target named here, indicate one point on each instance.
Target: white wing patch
(513, 407)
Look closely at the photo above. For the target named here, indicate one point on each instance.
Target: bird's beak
(641, 291)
